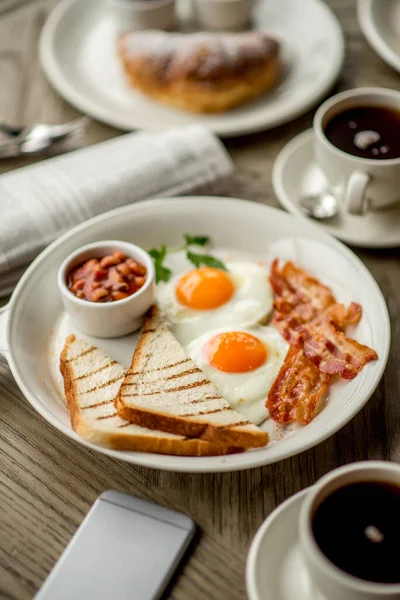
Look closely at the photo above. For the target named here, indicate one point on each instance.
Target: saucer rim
(289, 149)
(251, 580)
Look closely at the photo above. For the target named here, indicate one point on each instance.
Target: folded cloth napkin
(40, 202)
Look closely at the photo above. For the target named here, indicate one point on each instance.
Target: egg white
(250, 303)
(246, 392)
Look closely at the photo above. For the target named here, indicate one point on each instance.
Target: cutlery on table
(33, 139)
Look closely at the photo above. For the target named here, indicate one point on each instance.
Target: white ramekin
(134, 15)
(223, 14)
(111, 319)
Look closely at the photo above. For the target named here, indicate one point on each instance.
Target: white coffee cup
(363, 183)
(330, 581)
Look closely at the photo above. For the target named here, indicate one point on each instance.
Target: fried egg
(205, 298)
(242, 363)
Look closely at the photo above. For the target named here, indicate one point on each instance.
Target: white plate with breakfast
(234, 83)
(380, 24)
(262, 337)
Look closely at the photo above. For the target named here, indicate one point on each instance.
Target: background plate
(35, 311)
(78, 55)
(380, 23)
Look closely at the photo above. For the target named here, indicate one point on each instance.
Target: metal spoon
(36, 138)
(320, 206)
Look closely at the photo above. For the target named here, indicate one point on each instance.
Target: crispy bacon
(297, 390)
(333, 352)
(309, 318)
(296, 287)
(342, 317)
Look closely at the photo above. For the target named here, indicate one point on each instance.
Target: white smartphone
(125, 548)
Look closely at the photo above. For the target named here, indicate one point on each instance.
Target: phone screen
(120, 552)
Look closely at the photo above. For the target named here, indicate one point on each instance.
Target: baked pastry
(201, 72)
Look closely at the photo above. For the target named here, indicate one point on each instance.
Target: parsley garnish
(204, 259)
(201, 259)
(197, 240)
(162, 273)
(158, 255)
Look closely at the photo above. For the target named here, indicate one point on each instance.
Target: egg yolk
(235, 352)
(204, 288)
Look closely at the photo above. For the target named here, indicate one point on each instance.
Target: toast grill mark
(88, 351)
(181, 388)
(110, 364)
(205, 399)
(183, 373)
(170, 366)
(207, 412)
(177, 376)
(107, 416)
(96, 405)
(103, 385)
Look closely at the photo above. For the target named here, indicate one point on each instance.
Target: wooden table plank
(48, 483)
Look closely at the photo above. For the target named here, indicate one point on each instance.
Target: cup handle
(356, 200)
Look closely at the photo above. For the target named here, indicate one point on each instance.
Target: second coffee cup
(357, 145)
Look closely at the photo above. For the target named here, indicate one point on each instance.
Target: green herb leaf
(197, 240)
(204, 259)
(162, 273)
(154, 253)
(158, 253)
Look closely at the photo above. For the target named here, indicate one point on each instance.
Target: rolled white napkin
(41, 202)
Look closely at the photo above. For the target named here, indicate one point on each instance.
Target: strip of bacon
(296, 287)
(333, 352)
(307, 314)
(309, 318)
(342, 317)
(294, 327)
(297, 390)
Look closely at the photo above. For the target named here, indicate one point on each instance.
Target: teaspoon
(319, 206)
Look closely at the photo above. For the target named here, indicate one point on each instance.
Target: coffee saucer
(295, 174)
(275, 567)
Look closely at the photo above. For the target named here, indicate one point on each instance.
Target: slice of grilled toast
(91, 382)
(164, 389)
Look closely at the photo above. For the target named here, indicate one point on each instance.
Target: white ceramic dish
(380, 23)
(296, 174)
(78, 55)
(223, 14)
(141, 14)
(275, 566)
(34, 319)
(112, 319)
(331, 581)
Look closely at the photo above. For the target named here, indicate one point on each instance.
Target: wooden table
(48, 483)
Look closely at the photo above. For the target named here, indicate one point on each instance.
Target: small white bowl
(111, 319)
(129, 15)
(223, 14)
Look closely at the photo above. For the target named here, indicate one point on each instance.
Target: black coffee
(367, 131)
(358, 528)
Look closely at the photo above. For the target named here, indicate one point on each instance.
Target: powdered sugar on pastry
(227, 50)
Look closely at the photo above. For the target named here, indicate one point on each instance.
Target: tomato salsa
(113, 277)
